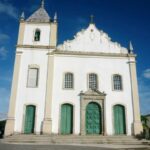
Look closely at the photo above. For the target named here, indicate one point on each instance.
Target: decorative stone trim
(21, 32)
(137, 125)
(10, 124)
(36, 46)
(47, 122)
(82, 53)
(85, 99)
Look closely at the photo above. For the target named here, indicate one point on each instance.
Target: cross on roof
(42, 3)
(92, 19)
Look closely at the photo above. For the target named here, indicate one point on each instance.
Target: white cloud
(146, 73)
(3, 53)
(8, 9)
(4, 37)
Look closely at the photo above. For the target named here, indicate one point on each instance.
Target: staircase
(73, 139)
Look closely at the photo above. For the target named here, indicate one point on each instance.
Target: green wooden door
(93, 119)
(119, 120)
(29, 119)
(66, 119)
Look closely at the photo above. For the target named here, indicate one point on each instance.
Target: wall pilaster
(53, 34)
(47, 123)
(21, 33)
(10, 124)
(137, 125)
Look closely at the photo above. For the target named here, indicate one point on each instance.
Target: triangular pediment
(91, 92)
(92, 40)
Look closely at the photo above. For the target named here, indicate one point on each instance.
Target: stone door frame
(85, 99)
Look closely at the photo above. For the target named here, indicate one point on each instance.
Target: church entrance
(93, 118)
(29, 119)
(66, 119)
(119, 120)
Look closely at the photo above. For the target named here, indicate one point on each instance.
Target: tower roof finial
(92, 19)
(42, 3)
(22, 17)
(55, 17)
(130, 47)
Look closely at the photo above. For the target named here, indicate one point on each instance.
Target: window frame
(73, 81)
(113, 85)
(37, 78)
(97, 83)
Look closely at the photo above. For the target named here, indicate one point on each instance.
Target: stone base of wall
(47, 126)
(9, 128)
(137, 128)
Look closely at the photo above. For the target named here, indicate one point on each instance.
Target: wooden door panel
(66, 119)
(119, 120)
(29, 119)
(93, 119)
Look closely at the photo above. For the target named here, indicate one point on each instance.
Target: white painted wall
(30, 31)
(92, 40)
(80, 67)
(27, 95)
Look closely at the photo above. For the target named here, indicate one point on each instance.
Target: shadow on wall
(2, 128)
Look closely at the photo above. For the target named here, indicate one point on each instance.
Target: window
(37, 35)
(117, 82)
(93, 81)
(68, 81)
(33, 77)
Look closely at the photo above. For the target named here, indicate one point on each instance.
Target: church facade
(87, 85)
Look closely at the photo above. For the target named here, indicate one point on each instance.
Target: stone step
(69, 136)
(72, 139)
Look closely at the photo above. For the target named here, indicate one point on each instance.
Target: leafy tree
(2, 127)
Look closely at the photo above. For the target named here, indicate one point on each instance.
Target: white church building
(87, 85)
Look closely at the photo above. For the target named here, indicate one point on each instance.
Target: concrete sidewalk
(114, 146)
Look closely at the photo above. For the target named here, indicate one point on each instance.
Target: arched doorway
(66, 119)
(119, 119)
(93, 118)
(29, 119)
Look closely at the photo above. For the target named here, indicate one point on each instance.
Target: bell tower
(39, 30)
(37, 36)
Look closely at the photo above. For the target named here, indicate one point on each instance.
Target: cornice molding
(36, 46)
(75, 53)
(19, 52)
(81, 53)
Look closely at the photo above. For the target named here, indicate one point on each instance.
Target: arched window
(37, 35)
(68, 81)
(117, 82)
(93, 81)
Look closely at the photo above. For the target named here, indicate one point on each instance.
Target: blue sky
(123, 20)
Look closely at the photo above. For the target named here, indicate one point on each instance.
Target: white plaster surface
(30, 31)
(35, 96)
(80, 66)
(92, 40)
